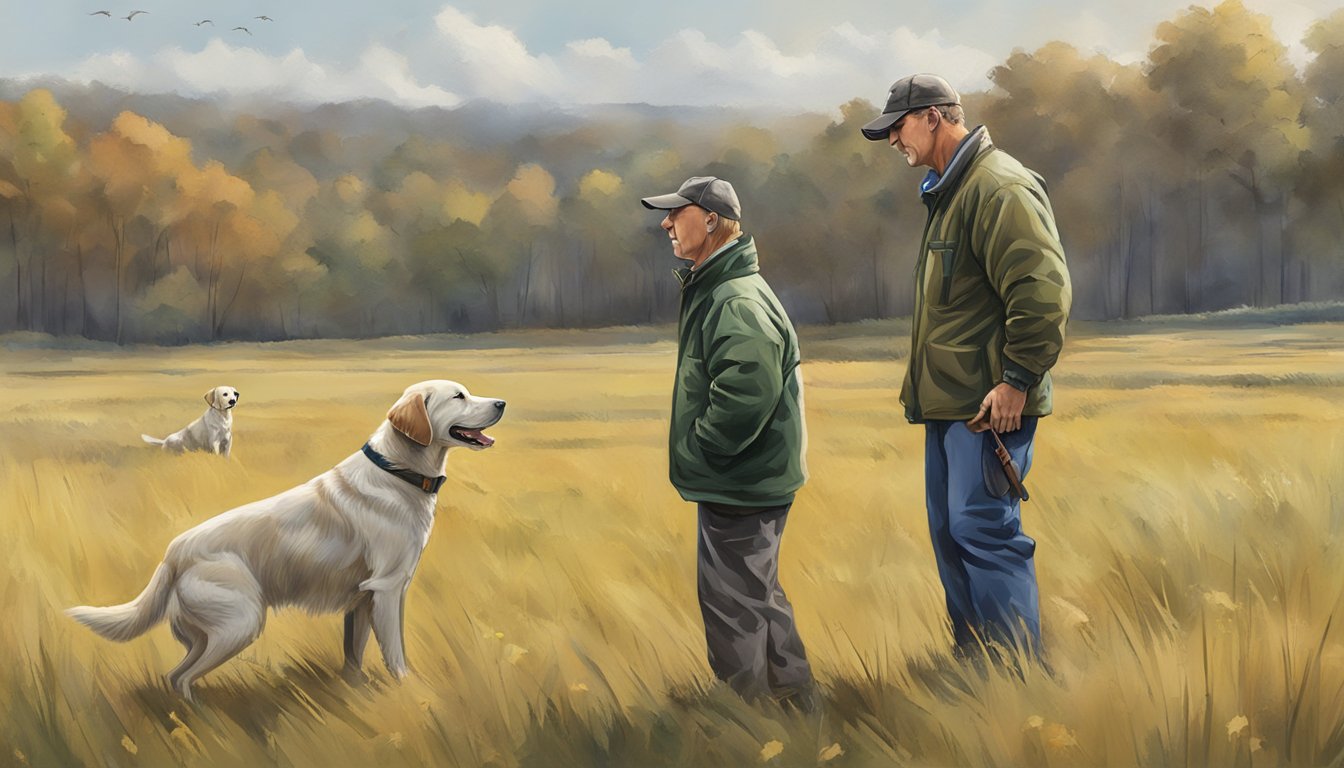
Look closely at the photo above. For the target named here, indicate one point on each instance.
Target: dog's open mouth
(471, 436)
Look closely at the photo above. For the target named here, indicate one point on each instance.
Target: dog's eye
(459, 396)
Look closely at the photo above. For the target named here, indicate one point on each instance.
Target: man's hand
(1001, 409)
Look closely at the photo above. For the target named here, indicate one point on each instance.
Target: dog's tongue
(478, 435)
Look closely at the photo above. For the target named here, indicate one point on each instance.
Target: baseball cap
(908, 94)
(708, 192)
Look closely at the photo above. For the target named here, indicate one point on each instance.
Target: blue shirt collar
(931, 180)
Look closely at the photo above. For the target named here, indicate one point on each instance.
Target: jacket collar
(738, 261)
(975, 143)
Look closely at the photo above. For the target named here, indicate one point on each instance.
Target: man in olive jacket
(992, 298)
(737, 441)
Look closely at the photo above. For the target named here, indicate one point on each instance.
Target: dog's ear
(410, 417)
(210, 397)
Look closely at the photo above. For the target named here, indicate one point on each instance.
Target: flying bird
(245, 29)
(133, 15)
(108, 14)
(264, 18)
(204, 21)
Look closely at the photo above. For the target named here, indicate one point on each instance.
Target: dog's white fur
(212, 432)
(347, 540)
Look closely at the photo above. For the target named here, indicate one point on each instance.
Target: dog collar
(426, 484)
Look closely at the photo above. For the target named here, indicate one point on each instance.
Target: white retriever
(212, 432)
(347, 540)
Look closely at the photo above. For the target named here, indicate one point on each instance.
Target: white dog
(347, 540)
(212, 432)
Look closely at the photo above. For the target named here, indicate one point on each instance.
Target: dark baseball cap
(708, 192)
(908, 94)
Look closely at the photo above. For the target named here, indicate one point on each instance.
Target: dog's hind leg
(221, 599)
(358, 623)
(194, 642)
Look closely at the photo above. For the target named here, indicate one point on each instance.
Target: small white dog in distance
(212, 432)
(346, 541)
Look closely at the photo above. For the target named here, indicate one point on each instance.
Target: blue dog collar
(426, 484)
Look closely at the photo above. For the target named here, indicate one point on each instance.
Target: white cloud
(495, 63)
(599, 48)
(240, 71)
(381, 67)
(467, 59)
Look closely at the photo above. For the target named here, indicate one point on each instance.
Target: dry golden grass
(1185, 497)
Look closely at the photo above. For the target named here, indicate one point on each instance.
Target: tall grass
(1185, 499)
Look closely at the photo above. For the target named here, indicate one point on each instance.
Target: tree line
(1208, 176)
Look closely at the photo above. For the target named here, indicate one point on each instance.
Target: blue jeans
(984, 558)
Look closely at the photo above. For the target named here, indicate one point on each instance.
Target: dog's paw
(353, 675)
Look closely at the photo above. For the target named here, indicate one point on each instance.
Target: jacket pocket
(958, 374)
(692, 388)
(942, 269)
(688, 405)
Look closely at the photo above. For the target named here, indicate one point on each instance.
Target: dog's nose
(499, 404)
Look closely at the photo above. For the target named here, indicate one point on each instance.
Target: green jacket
(992, 290)
(737, 433)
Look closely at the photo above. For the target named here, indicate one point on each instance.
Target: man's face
(686, 227)
(913, 136)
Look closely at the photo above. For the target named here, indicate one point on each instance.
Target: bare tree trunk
(83, 292)
(877, 280)
(18, 270)
(1201, 239)
(224, 315)
(118, 236)
(212, 282)
(1254, 189)
(1117, 260)
(527, 283)
(1152, 253)
(42, 310)
(1283, 249)
(829, 302)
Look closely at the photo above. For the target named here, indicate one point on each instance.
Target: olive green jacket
(737, 431)
(992, 291)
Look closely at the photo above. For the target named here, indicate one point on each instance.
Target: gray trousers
(752, 640)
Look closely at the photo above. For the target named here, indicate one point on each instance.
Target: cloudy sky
(776, 54)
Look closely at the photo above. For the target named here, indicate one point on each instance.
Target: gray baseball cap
(708, 192)
(908, 94)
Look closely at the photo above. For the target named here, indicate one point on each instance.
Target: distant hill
(478, 122)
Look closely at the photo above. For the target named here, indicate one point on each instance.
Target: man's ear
(210, 397)
(410, 417)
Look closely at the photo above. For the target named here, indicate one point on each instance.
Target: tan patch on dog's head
(410, 417)
(210, 396)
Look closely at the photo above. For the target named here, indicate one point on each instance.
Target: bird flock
(131, 17)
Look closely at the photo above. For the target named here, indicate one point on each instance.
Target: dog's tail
(123, 622)
(151, 440)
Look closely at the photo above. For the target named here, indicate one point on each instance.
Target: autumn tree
(1232, 104)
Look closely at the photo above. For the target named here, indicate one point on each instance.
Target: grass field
(1186, 499)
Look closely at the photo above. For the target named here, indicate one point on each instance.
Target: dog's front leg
(358, 622)
(226, 446)
(388, 606)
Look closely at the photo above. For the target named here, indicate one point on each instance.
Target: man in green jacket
(992, 298)
(737, 441)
